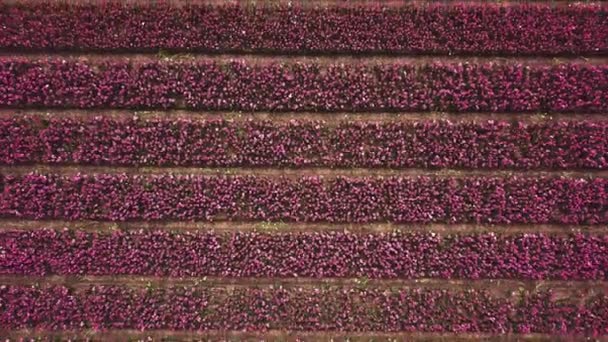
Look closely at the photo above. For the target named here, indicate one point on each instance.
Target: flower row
(305, 86)
(460, 29)
(305, 254)
(298, 309)
(222, 143)
(120, 197)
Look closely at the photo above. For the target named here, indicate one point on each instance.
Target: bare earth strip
(502, 288)
(278, 335)
(271, 58)
(325, 173)
(291, 227)
(329, 119)
(325, 3)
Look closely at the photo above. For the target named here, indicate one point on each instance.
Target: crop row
(120, 197)
(461, 29)
(304, 86)
(305, 254)
(220, 143)
(299, 309)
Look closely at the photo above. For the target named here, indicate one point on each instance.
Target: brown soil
(264, 59)
(326, 3)
(325, 173)
(497, 287)
(294, 227)
(274, 335)
(329, 119)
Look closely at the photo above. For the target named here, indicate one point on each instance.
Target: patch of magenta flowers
(303, 86)
(224, 143)
(299, 309)
(119, 197)
(305, 254)
(469, 29)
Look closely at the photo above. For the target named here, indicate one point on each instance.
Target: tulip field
(303, 170)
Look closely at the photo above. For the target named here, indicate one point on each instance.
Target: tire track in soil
(502, 288)
(329, 119)
(161, 55)
(325, 174)
(296, 227)
(278, 335)
(325, 3)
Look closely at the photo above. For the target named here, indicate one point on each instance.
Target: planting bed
(471, 29)
(239, 86)
(119, 197)
(219, 143)
(299, 309)
(306, 254)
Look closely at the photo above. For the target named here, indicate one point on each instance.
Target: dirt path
(324, 3)
(264, 59)
(291, 227)
(498, 287)
(326, 173)
(328, 119)
(276, 335)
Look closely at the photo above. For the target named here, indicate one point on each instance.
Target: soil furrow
(295, 173)
(498, 287)
(274, 58)
(329, 119)
(283, 227)
(324, 3)
(276, 335)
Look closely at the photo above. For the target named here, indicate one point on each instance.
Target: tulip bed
(120, 197)
(237, 85)
(221, 143)
(299, 309)
(305, 254)
(431, 29)
(491, 264)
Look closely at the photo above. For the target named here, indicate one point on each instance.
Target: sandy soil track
(274, 335)
(324, 3)
(329, 119)
(326, 173)
(286, 227)
(270, 58)
(500, 288)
